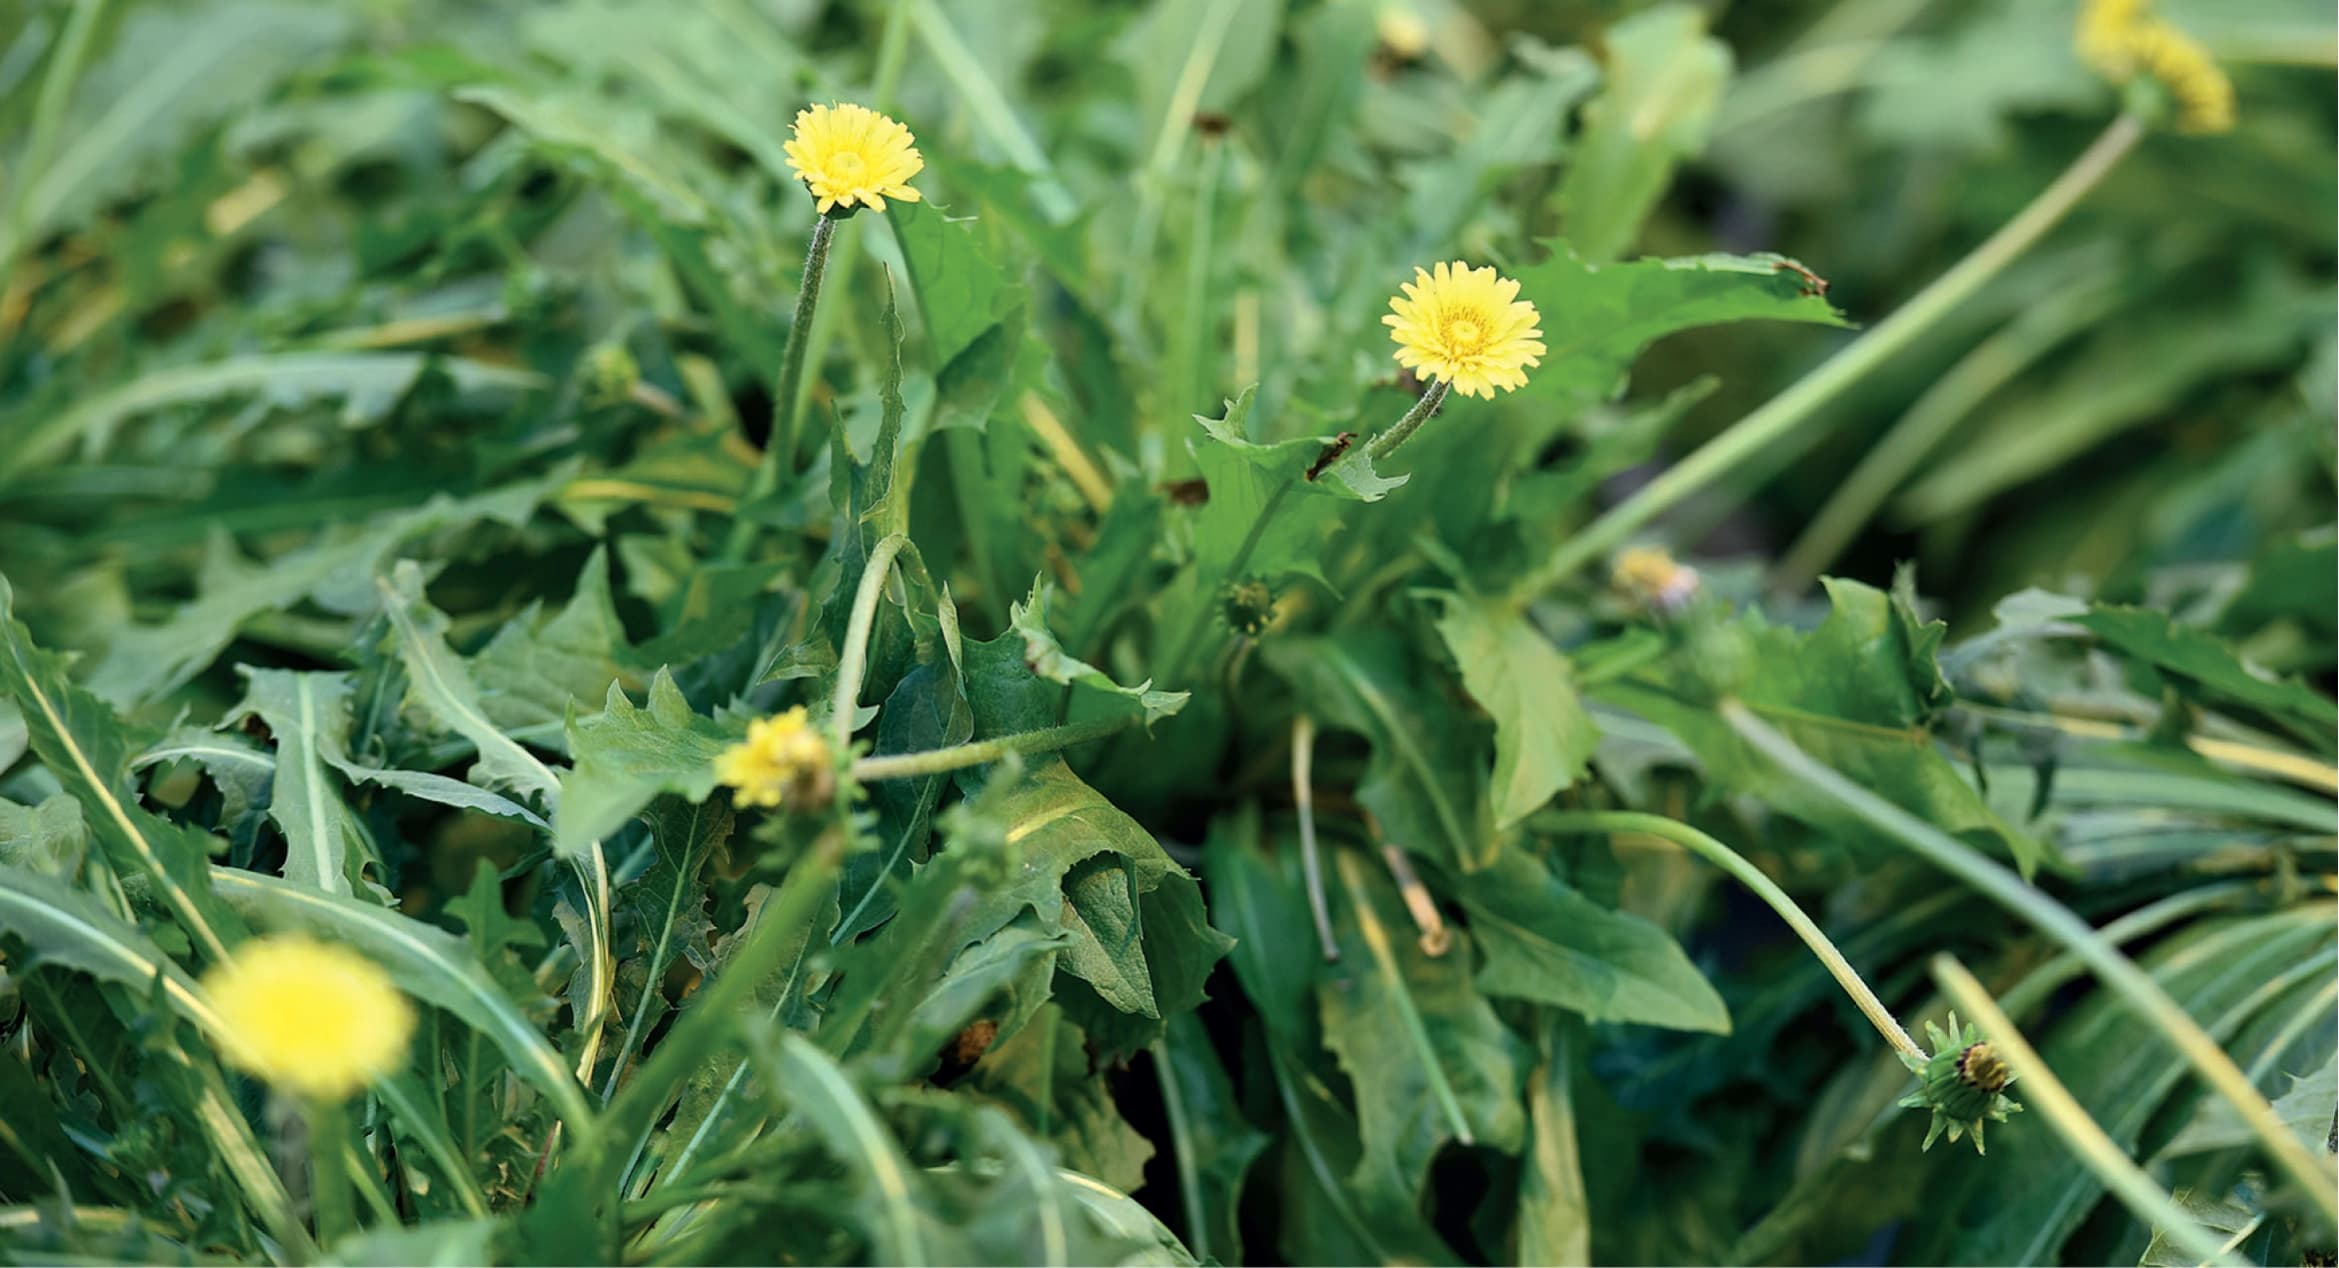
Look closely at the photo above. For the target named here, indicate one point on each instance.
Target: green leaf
(1133, 916)
(1430, 1060)
(1544, 941)
(2203, 660)
(308, 714)
(1664, 77)
(1555, 1211)
(536, 666)
(1859, 694)
(1598, 318)
(669, 902)
(1542, 736)
(62, 925)
(1041, 1076)
(144, 661)
(469, 1241)
(808, 1080)
(964, 291)
(927, 709)
(1097, 694)
(1213, 1142)
(241, 770)
(627, 755)
(50, 838)
(1423, 784)
(367, 383)
(441, 685)
(84, 745)
(171, 73)
(426, 962)
(1264, 516)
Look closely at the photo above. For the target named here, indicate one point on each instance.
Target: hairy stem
(1402, 430)
(934, 761)
(779, 450)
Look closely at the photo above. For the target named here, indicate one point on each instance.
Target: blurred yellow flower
(1401, 30)
(1654, 579)
(851, 156)
(2203, 94)
(2122, 39)
(782, 760)
(312, 1018)
(2105, 28)
(1467, 327)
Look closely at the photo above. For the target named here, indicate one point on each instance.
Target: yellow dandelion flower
(851, 156)
(783, 761)
(312, 1018)
(2105, 29)
(2203, 95)
(2122, 39)
(1467, 327)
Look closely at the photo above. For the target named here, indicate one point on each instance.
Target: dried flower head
(312, 1018)
(1466, 326)
(783, 762)
(1651, 577)
(851, 156)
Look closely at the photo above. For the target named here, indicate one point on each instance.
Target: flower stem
(2043, 1092)
(853, 657)
(329, 1192)
(1747, 874)
(1999, 883)
(934, 761)
(1386, 443)
(1762, 431)
(779, 451)
(1303, 794)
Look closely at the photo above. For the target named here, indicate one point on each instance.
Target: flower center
(848, 168)
(1465, 335)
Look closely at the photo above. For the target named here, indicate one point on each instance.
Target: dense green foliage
(1250, 848)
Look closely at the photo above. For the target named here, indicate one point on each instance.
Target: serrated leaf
(84, 745)
(441, 685)
(308, 714)
(1048, 660)
(144, 661)
(367, 384)
(1597, 319)
(49, 838)
(536, 666)
(627, 755)
(1042, 1077)
(2204, 660)
(1264, 517)
(1859, 694)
